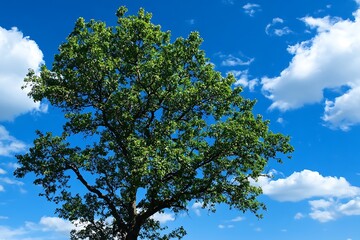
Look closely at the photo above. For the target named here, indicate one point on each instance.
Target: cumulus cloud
(163, 217)
(9, 145)
(18, 54)
(251, 8)
(325, 210)
(46, 228)
(328, 61)
(274, 28)
(55, 224)
(329, 197)
(305, 185)
(242, 79)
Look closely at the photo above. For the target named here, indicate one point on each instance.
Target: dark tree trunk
(131, 236)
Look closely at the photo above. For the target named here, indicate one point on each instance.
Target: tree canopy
(160, 128)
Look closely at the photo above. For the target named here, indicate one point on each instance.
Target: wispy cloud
(273, 28)
(233, 61)
(237, 219)
(251, 8)
(191, 21)
(230, 2)
(299, 216)
(9, 145)
(196, 207)
(222, 226)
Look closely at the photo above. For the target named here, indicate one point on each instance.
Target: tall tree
(161, 129)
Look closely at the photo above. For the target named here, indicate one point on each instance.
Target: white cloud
(232, 61)
(299, 216)
(329, 197)
(9, 145)
(196, 207)
(242, 78)
(2, 171)
(11, 165)
(237, 219)
(18, 54)
(163, 217)
(325, 210)
(273, 29)
(46, 228)
(9, 234)
(55, 224)
(222, 226)
(11, 181)
(328, 61)
(305, 185)
(251, 8)
(351, 208)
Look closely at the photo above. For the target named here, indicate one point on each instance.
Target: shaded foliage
(161, 128)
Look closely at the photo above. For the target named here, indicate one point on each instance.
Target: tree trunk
(133, 234)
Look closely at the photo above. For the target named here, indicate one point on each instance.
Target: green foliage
(161, 128)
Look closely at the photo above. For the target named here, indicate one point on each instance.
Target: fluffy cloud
(163, 217)
(9, 145)
(305, 185)
(329, 197)
(242, 78)
(55, 224)
(18, 54)
(46, 228)
(328, 61)
(325, 210)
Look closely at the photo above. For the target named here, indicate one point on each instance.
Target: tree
(160, 128)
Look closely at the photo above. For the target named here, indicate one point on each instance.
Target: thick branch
(100, 195)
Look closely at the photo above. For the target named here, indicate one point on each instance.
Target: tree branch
(100, 195)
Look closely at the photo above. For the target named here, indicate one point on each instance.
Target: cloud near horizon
(328, 62)
(329, 197)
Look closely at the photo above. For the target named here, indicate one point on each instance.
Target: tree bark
(132, 235)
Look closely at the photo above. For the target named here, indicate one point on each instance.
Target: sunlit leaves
(158, 128)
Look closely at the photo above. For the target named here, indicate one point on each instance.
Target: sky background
(300, 59)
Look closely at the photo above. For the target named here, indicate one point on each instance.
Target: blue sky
(300, 59)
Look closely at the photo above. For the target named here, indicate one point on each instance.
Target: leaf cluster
(160, 126)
